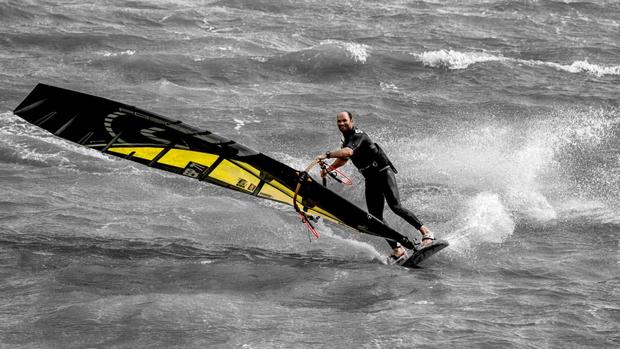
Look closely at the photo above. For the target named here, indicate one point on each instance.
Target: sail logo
(193, 169)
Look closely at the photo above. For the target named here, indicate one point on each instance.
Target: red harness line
(304, 177)
(309, 225)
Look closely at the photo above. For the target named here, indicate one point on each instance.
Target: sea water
(502, 118)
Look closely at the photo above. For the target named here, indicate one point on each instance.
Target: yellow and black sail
(156, 141)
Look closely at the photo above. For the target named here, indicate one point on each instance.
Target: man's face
(345, 124)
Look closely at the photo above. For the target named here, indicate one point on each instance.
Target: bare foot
(398, 251)
(427, 236)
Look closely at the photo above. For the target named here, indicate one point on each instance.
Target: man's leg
(375, 201)
(393, 200)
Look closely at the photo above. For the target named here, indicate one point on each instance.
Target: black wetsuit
(379, 172)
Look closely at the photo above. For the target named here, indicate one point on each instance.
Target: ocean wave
(578, 67)
(116, 54)
(64, 42)
(14, 13)
(139, 68)
(55, 151)
(58, 246)
(358, 52)
(112, 247)
(450, 59)
(327, 57)
(455, 60)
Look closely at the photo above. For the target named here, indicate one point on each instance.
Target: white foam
(585, 128)
(259, 59)
(16, 127)
(451, 59)
(241, 122)
(388, 86)
(166, 86)
(116, 54)
(524, 163)
(576, 208)
(356, 245)
(358, 52)
(485, 158)
(485, 220)
(454, 59)
(531, 204)
(579, 67)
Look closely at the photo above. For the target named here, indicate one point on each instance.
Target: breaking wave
(455, 60)
(357, 52)
(327, 57)
(116, 54)
(451, 59)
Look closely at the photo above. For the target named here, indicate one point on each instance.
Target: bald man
(379, 174)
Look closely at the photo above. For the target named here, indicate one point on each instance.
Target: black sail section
(156, 141)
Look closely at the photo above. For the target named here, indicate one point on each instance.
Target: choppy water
(502, 118)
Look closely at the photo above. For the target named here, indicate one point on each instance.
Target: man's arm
(339, 163)
(341, 156)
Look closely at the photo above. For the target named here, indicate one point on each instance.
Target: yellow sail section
(174, 157)
(269, 192)
(232, 174)
(247, 167)
(272, 189)
(181, 157)
(147, 153)
(324, 215)
(277, 191)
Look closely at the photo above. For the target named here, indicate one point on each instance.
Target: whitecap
(239, 123)
(454, 59)
(259, 59)
(358, 52)
(388, 86)
(116, 54)
(577, 67)
(451, 59)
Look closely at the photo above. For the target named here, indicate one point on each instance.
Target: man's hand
(320, 157)
(338, 159)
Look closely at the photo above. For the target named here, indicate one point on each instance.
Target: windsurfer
(379, 174)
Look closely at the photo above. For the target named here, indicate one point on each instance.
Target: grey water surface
(502, 118)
